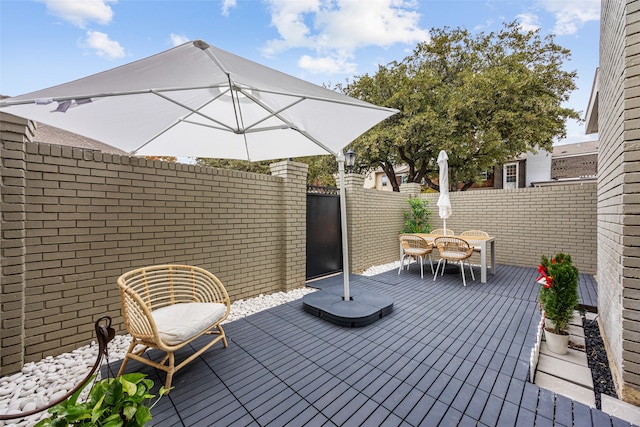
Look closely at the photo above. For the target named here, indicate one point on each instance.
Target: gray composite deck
(446, 355)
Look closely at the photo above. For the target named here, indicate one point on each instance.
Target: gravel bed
(598, 361)
(372, 271)
(38, 383)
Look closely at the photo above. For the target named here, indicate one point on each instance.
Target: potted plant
(558, 297)
(112, 402)
(416, 220)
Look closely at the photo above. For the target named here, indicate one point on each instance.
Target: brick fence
(527, 222)
(74, 220)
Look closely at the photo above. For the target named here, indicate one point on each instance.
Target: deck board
(446, 355)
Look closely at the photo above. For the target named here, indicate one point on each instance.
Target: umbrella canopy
(196, 100)
(444, 202)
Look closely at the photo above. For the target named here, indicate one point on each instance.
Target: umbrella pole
(343, 226)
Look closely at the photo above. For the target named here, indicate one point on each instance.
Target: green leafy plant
(558, 292)
(112, 402)
(416, 220)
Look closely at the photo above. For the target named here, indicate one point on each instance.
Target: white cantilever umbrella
(444, 202)
(196, 100)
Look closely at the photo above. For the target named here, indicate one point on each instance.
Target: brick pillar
(357, 225)
(412, 189)
(14, 134)
(294, 210)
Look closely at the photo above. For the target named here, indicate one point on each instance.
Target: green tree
(321, 168)
(484, 98)
(240, 165)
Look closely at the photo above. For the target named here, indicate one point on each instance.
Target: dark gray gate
(324, 238)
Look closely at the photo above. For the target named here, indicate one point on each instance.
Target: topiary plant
(416, 220)
(559, 291)
(112, 402)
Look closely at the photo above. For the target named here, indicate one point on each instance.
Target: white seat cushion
(416, 251)
(453, 255)
(179, 322)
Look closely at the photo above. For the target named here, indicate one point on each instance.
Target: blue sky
(48, 42)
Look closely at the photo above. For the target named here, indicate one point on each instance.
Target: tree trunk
(390, 172)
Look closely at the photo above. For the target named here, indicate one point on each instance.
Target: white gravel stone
(28, 405)
(51, 378)
(372, 271)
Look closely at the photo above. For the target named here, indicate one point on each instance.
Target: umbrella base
(364, 307)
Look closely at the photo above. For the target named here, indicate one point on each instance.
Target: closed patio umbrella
(196, 100)
(444, 202)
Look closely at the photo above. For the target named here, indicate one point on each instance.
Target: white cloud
(226, 5)
(488, 23)
(571, 15)
(178, 39)
(289, 19)
(80, 13)
(528, 21)
(103, 46)
(327, 65)
(333, 30)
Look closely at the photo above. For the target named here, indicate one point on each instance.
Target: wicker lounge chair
(417, 247)
(456, 250)
(168, 307)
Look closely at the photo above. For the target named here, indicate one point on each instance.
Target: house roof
(577, 149)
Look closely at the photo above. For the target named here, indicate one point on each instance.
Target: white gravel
(372, 271)
(40, 382)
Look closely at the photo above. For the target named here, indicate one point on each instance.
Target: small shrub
(416, 220)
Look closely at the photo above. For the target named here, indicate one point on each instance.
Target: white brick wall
(618, 201)
(527, 223)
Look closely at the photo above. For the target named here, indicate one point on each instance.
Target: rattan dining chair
(475, 233)
(456, 250)
(416, 247)
(441, 232)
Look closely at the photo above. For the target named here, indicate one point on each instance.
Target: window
(511, 173)
(510, 179)
(385, 180)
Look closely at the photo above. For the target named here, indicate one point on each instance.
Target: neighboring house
(591, 116)
(572, 164)
(380, 181)
(568, 164)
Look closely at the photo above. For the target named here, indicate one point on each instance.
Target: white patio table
(483, 242)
